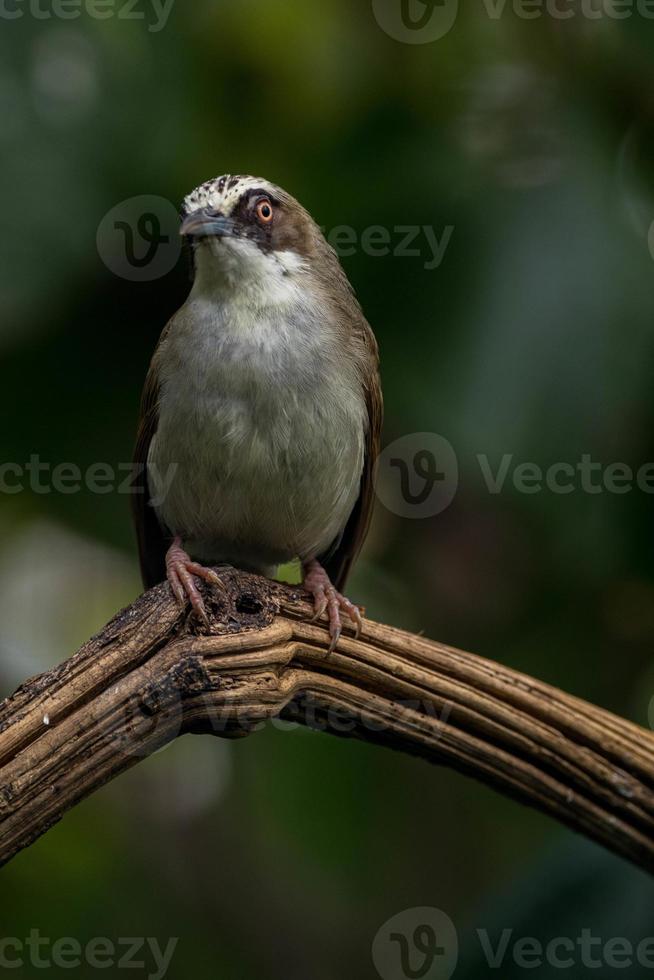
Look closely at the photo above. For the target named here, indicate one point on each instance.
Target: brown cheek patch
(289, 235)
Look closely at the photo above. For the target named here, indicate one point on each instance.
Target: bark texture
(153, 673)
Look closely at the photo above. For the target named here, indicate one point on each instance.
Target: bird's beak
(206, 223)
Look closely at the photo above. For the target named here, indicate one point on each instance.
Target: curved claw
(357, 619)
(207, 574)
(180, 570)
(327, 599)
(320, 605)
(335, 635)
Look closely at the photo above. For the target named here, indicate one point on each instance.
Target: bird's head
(250, 234)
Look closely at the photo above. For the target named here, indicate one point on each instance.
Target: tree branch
(153, 674)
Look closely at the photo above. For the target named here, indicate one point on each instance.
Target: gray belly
(259, 477)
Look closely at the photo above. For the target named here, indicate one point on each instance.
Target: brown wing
(343, 553)
(151, 539)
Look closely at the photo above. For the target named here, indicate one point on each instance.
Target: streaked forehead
(222, 193)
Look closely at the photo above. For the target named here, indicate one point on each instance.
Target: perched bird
(261, 413)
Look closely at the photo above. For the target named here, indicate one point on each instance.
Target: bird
(261, 413)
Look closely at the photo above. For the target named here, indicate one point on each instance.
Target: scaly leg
(180, 569)
(326, 598)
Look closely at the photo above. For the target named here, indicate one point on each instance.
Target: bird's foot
(180, 569)
(327, 599)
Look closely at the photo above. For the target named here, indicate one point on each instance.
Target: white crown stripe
(221, 194)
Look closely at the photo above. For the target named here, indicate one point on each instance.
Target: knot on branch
(184, 679)
(246, 601)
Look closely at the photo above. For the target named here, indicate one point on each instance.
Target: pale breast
(264, 429)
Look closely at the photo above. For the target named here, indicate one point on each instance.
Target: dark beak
(206, 223)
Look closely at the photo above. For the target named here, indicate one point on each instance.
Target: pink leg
(326, 598)
(180, 570)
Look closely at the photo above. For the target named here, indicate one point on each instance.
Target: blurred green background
(282, 855)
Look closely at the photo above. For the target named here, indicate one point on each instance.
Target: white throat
(237, 270)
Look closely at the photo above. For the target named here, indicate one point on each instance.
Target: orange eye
(265, 212)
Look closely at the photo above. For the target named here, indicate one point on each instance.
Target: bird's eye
(265, 212)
